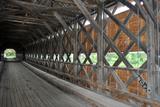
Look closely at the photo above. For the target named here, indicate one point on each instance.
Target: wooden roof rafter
(30, 14)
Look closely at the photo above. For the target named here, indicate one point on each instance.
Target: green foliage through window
(9, 53)
(136, 59)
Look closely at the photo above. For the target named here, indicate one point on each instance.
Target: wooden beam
(132, 7)
(65, 1)
(48, 27)
(60, 19)
(125, 30)
(97, 99)
(151, 64)
(27, 18)
(22, 22)
(100, 47)
(81, 6)
(142, 13)
(41, 33)
(43, 8)
(22, 19)
(28, 4)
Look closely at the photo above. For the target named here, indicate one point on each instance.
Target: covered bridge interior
(87, 53)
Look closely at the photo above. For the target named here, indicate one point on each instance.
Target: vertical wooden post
(100, 44)
(157, 15)
(151, 58)
(75, 50)
(60, 50)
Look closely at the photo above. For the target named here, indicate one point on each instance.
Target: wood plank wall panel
(134, 25)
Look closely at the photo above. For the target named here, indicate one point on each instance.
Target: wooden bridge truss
(57, 47)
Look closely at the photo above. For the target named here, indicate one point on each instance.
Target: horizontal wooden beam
(18, 30)
(21, 18)
(97, 99)
(43, 8)
(22, 22)
(28, 4)
(65, 1)
(60, 19)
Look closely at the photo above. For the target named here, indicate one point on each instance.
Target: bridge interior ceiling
(26, 21)
(75, 40)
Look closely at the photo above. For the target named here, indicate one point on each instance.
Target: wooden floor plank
(15, 95)
(9, 103)
(19, 87)
(12, 94)
(38, 93)
(32, 94)
(1, 94)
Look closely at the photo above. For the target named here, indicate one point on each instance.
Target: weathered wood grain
(20, 87)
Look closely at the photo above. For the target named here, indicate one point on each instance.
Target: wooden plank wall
(134, 25)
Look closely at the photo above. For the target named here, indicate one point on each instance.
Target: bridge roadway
(19, 87)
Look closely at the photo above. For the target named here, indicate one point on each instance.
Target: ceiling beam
(22, 22)
(42, 8)
(65, 1)
(22, 19)
(61, 21)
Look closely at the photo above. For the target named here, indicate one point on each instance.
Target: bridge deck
(19, 87)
